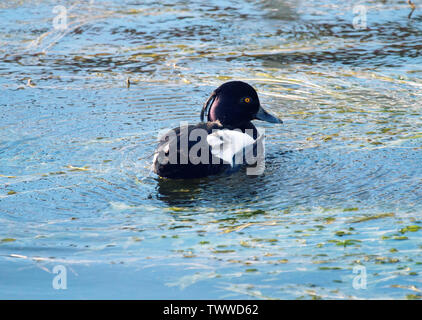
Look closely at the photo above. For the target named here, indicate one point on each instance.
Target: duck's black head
(235, 103)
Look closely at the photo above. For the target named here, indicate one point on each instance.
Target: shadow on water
(222, 190)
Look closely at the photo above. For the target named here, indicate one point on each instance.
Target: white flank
(225, 144)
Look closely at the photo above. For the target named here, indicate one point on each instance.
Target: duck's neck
(248, 128)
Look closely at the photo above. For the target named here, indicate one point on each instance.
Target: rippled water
(342, 186)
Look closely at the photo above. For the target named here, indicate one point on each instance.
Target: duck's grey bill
(265, 116)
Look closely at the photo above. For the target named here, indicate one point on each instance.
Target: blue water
(342, 185)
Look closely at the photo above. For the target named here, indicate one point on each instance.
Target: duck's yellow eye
(247, 100)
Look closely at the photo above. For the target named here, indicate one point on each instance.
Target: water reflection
(219, 191)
